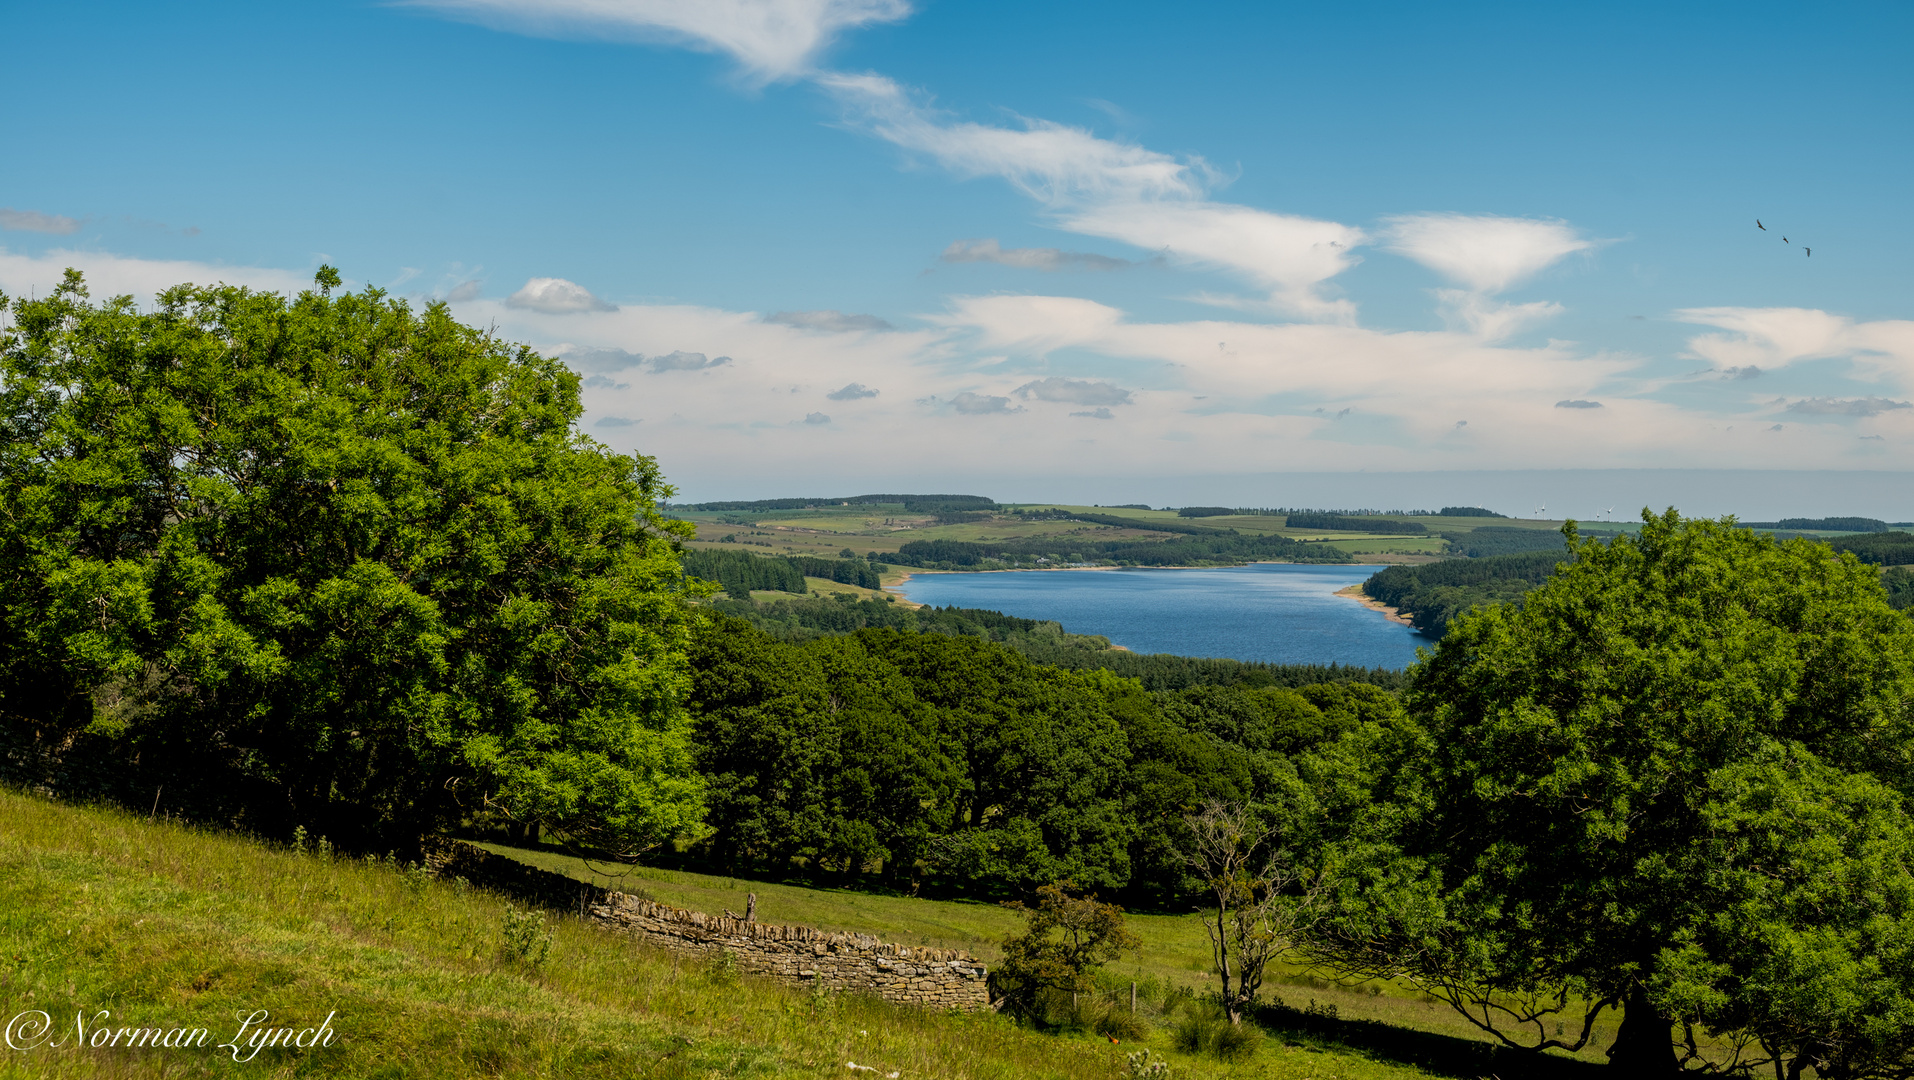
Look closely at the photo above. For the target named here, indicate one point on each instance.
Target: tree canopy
(1673, 780)
(333, 561)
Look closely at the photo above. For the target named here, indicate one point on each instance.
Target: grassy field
(1175, 949)
(167, 926)
(864, 530)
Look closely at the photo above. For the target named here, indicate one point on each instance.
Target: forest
(739, 572)
(1346, 523)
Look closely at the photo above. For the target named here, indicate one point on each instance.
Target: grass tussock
(166, 925)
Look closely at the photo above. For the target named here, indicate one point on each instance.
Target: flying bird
(1760, 226)
(1784, 239)
(1809, 250)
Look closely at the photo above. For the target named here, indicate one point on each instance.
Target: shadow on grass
(1442, 1055)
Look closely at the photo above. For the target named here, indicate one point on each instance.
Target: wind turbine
(1540, 510)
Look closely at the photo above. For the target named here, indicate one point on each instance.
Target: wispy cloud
(769, 39)
(988, 251)
(1120, 191)
(831, 321)
(556, 296)
(34, 221)
(1487, 255)
(851, 392)
(1867, 406)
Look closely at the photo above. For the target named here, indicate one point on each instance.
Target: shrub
(522, 936)
(1120, 1023)
(1204, 1028)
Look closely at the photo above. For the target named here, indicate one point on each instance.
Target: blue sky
(1072, 247)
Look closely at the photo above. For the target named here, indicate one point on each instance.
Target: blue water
(1276, 612)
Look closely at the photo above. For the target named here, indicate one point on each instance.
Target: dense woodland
(332, 564)
(953, 764)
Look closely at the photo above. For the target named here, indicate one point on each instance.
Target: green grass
(1175, 949)
(171, 926)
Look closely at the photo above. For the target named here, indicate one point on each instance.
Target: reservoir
(1279, 613)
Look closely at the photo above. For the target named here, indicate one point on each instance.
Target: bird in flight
(1760, 226)
(1809, 250)
(1784, 239)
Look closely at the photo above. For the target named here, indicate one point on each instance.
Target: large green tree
(1673, 781)
(335, 561)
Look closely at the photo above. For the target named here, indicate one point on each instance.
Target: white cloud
(769, 39)
(836, 322)
(462, 292)
(1486, 255)
(1195, 397)
(1048, 259)
(1490, 319)
(1483, 253)
(1098, 187)
(816, 418)
(34, 221)
(1770, 338)
(143, 279)
(556, 296)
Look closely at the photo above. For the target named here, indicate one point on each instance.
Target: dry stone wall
(855, 963)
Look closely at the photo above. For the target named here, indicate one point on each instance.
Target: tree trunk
(1643, 1045)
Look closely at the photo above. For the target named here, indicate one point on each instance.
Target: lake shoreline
(1356, 593)
(1263, 612)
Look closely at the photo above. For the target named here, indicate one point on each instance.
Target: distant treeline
(1879, 548)
(911, 503)
(803, 620)
(1347, 523)
(1489, 541)
(1208, 511)
(1467, 511)
(1434, 593)
(1214, 549)
(1832, 524)
(740, 571)
(1505, 563)
(1167, 671)
(1043, 641)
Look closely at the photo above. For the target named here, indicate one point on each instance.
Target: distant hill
(1832, 524)
(929, 504)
